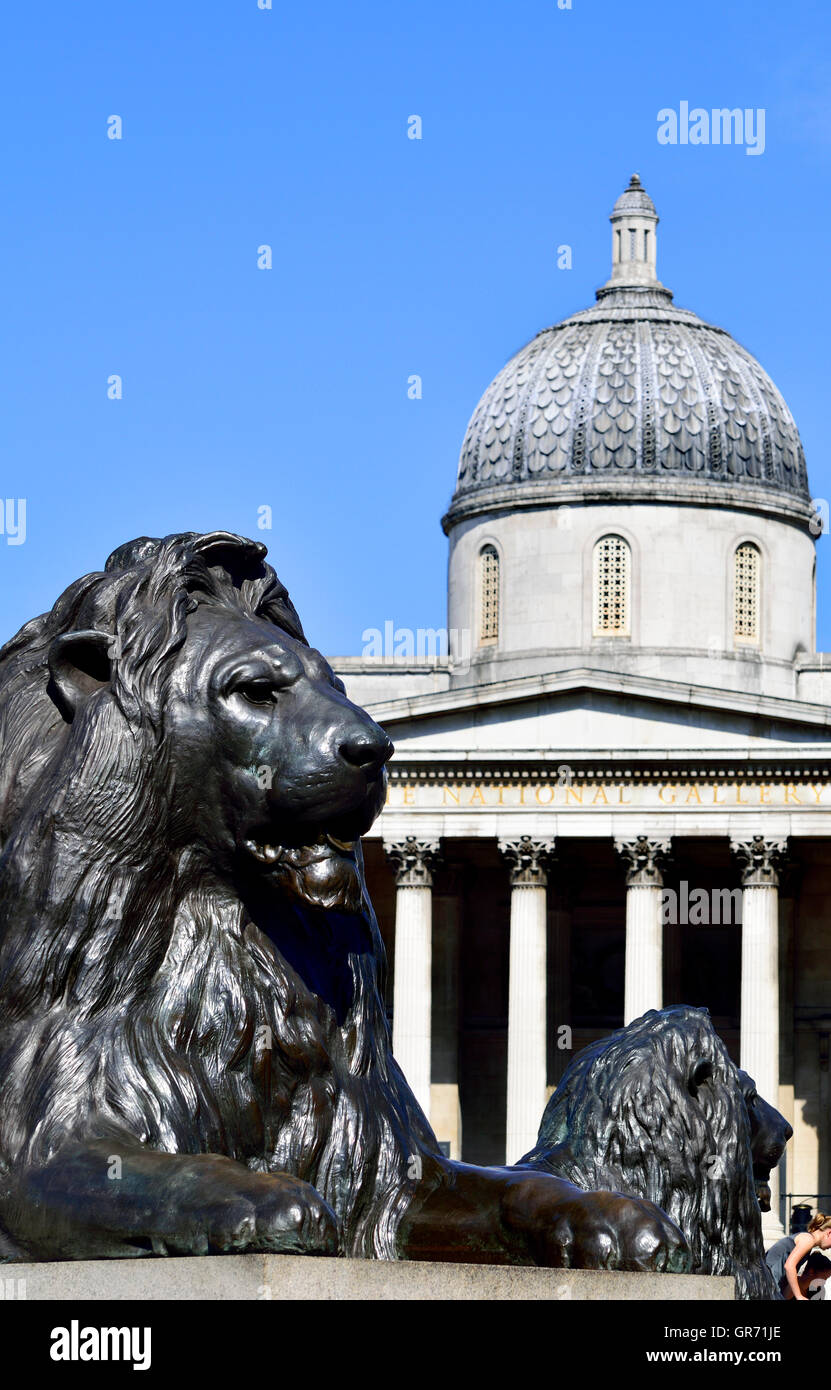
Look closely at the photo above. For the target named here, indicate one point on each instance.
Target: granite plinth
(293, 1277)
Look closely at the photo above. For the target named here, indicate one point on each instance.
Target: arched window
(488, 595)
(747, 574)
(611, 587)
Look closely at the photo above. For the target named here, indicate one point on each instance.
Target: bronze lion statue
(193, 1047)
(659, 1110)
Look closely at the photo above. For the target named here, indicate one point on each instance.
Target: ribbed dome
(633, 391)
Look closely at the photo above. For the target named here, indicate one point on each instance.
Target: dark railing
(801, 1206)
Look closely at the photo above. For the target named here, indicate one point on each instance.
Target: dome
(632, 397)
(635, 199)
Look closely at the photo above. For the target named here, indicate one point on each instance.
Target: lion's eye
(256, 692)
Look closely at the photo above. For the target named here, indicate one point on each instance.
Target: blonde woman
(785, 1257)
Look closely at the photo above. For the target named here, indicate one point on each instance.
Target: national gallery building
(615, 792)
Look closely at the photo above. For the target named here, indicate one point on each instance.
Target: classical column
(644, 985)
(560, 1048)
(413, 861)
(761, 860)
(528, 860)
(445, 1107)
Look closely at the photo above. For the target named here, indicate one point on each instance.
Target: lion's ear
(79, 666)
(701, 1073)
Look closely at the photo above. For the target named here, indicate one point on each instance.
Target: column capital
(528, 860)
(645, 860)
(761, 860)
(413, 861)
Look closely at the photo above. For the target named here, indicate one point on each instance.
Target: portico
(561, 909)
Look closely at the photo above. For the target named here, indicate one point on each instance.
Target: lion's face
(769, 1133)
(276, 773)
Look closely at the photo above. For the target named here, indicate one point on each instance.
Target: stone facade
(621, 819)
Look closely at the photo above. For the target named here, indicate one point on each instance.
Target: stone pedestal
(292, 1278)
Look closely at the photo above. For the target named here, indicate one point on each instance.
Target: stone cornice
(623, 490)
(653, 688)
(609, 767)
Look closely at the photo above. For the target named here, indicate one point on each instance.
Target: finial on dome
(634, 239)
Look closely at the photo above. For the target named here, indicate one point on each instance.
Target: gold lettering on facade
(595, 794)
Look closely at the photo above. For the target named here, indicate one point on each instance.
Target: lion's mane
(656, 1110)
(140, 997)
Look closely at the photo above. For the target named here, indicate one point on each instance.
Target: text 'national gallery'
(616, 794)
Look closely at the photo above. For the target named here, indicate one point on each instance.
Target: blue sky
(287, 388)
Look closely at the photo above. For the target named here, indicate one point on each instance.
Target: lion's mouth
(302, 855)
(323, 873)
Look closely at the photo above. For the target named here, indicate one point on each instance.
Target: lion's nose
(367, 750)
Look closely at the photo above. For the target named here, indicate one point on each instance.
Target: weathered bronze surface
(193, 1048)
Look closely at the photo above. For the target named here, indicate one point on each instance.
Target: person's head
(820, 1228)
(813, 1274)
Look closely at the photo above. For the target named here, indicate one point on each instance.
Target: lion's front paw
(231, 1209)
(612, 1231)
(593, 1230)
(290, 1218)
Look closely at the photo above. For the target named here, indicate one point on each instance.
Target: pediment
(597, 712)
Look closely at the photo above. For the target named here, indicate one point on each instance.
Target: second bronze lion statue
(193, 1048)
(658, 1109)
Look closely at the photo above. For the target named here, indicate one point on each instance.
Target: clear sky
(245, 388)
